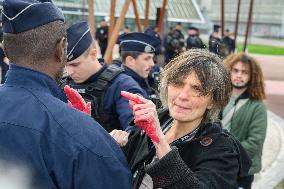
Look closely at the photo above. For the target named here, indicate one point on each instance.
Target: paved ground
(273, 70)
(272, 66)
(273, 152)
(275, 101)
(273, 155)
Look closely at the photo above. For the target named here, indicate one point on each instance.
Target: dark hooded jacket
(212, 159)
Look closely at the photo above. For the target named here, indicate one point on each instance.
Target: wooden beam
(222, 18)
(112, 17)
(162, 14)
(146, 20)
(137, 20)
(249, 22)
(91, 17)
(112, 21)
(237, 21)
(116, 31)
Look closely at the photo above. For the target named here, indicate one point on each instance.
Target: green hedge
(262, 49)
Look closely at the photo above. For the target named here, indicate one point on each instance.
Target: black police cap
(79, 39)
(23, 15)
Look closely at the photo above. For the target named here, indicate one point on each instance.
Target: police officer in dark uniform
(193, 40)
(97, 82)
(174, 43)
(137, 52)
(102, 36)
(154, 76)
(60, 146)
(229, 42)
(215, 40)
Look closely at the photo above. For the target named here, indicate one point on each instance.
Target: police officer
(60, 146)
(229, 42)
(193, 40)
(137, 52)
(102, 36)
(97, 82)
(154, 76)
(174, 42)
(215, 40)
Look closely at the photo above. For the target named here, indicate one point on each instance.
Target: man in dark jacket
(97, 82)
(229, 42)
(215, 40)
(174, 42)
(137, 52)
(59, 146)
(102, 36)
(193, 40)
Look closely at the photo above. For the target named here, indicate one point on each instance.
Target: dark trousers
(103, 50)
(245, 182)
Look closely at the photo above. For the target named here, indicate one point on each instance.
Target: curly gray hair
(213, 76)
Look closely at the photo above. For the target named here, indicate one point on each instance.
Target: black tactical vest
(94, 92)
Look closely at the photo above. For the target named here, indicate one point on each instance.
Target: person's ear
(210, 105)
(129, 61)
(61, 46)
(93, 53)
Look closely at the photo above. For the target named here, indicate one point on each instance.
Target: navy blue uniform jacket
(114, 104)
(62, 147)
(141, 81)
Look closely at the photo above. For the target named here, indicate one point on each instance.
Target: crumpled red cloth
(147, 125)
(75, 100)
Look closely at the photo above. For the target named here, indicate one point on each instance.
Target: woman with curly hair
(184, 145)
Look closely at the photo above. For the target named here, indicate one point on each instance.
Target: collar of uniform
(140, 80)
(96, 75)
(31, 79)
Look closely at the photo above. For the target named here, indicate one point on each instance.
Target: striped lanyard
(189, 135)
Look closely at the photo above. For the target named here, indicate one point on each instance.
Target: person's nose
(239, 74)
(151, 62)
(184, 94)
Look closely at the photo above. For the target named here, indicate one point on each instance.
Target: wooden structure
(113, 38)
(91, 17)
(137, 19)
(146, 20)
(114, 28)
(237, 21)
(222, 18)
(249, 22)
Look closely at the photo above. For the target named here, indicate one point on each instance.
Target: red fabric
(147, 125)
(75, 100)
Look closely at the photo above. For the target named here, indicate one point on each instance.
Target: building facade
(268, 16)
(185, 11)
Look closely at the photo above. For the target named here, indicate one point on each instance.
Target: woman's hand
(146, 117)
(75, 100)
(121, 137)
